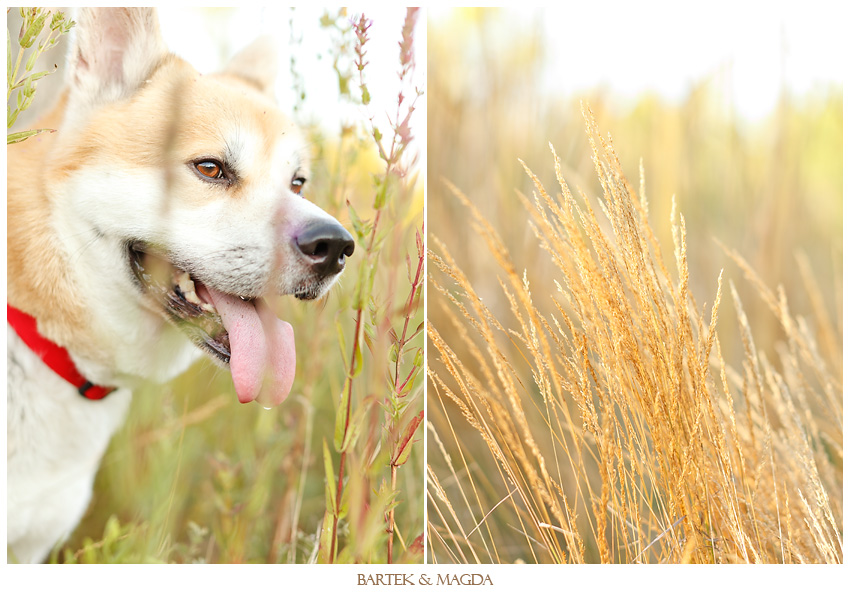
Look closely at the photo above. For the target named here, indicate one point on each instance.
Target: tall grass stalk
(616, 429)
(375, 317)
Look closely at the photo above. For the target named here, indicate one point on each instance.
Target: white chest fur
(55, 439)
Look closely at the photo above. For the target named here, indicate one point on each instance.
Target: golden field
(615, 374)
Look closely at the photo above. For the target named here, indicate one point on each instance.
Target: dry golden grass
(618, 432)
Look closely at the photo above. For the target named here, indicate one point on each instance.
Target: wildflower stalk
(402, 386)
(371, 237)
(34, 20)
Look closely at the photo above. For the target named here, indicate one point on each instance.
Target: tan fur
(45, 291)
(36, 269)
(192, 98)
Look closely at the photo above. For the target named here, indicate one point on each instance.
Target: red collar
(54, 356)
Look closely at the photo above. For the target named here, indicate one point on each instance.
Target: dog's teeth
(183, 280)
(186, 285)
(187, 288)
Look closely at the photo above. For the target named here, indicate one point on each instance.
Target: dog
(141, 234)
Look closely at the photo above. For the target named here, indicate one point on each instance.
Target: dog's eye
(297, 184)
(210, 169)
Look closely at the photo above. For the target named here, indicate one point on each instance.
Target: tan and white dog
(148, 226)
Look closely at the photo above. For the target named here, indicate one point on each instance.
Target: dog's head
(201, 181)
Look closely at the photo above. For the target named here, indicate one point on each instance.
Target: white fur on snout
(240, 239)
(244, 245)
(295, 215)
(138, 339)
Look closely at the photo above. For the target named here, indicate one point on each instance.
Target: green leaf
(34, 77)
(358, 359)
(31, 61)
(325, 538)
(355, 425)
(381, 196)
(361, 297)
(369, 336)
(342, 417)
(405, 444)
(17, 137)
(343, 84)
(330, 488)
(89, 555)
(27, 102)
(409, 384)
(34, 30)
(58, 21)
(361, 228)
(367, 280)
(417, 297)
(344, 503)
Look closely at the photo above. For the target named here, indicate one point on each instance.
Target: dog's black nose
(326, 244)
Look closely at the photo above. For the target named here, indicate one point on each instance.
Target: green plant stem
(391, 516)
(396, 145)
(14, 83)
(402, 341)
(417, 281)
(351, 369)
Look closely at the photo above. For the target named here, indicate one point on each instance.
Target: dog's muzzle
(326, 244)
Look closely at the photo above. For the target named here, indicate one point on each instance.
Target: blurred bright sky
(194, 34)
(751, 48)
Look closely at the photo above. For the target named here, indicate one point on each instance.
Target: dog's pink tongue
(262, 349)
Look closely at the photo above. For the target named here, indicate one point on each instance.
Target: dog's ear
(256, 64)
(115, 51)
